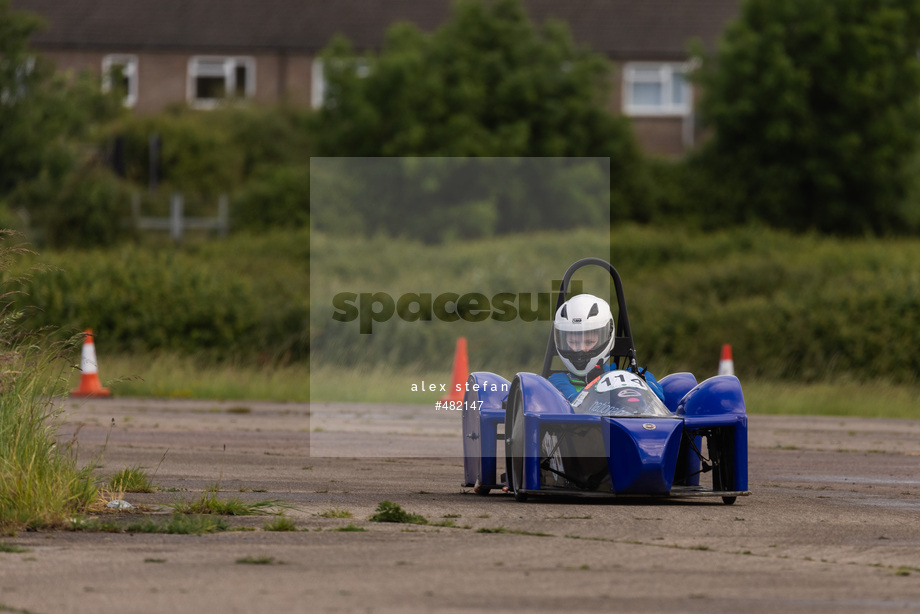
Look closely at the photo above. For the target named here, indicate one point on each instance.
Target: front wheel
(514, 446)
(729, 500)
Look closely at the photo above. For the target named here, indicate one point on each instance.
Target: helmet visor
(582, 346)
(581, 340)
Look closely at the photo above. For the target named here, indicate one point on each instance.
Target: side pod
(480, 428)
(715, 410)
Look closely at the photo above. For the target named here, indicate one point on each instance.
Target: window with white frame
(119, 72)
(656, 89)
(214, 78)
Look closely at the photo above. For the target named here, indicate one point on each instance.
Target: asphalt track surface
(833, 524)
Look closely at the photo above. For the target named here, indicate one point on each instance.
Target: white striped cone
(89, 381)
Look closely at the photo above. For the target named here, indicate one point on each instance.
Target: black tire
(481, 490)
(514, 446)
(721, 450)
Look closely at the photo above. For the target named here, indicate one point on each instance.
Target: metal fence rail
(177, 223)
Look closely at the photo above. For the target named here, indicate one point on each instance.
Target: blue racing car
(616, 438)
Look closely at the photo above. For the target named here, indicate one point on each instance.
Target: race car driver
(583, 330)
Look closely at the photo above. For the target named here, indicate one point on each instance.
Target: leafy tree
(488, 83)
(814, 107)
(17, 77)
(258, 155)
(46, 120)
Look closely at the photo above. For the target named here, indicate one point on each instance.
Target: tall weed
(40, 483)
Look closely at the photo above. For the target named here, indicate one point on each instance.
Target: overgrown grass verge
(844, 398)
(176, 376)
(40, 482)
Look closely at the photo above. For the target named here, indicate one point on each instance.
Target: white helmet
(583, 332)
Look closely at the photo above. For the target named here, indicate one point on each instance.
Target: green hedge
(792, 307)
(139, 300)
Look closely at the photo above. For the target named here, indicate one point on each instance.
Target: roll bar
(623, 346)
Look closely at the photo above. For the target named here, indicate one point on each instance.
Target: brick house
(192, 51)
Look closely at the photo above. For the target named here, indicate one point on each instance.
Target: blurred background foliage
(811, 107)
(812, 114)
(814, 108)
(798, 307)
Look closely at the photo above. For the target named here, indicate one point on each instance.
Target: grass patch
(94, 525)
(350, 528)
(12, 548)
(181, 524)
(335, 513)
(326, 384)
(131, 479)
(209, 503)
(387, 511)
(281, 523)
(176, 376)
(177, 524)
(867, 400)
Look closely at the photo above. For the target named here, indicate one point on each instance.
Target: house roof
(652, 29)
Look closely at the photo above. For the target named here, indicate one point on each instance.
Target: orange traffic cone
(461, 372)
(726, 364)
(89, 381)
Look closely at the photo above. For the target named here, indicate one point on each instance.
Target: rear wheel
(514, 447)
(728, 500)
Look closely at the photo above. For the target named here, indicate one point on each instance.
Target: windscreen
(622, 394)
